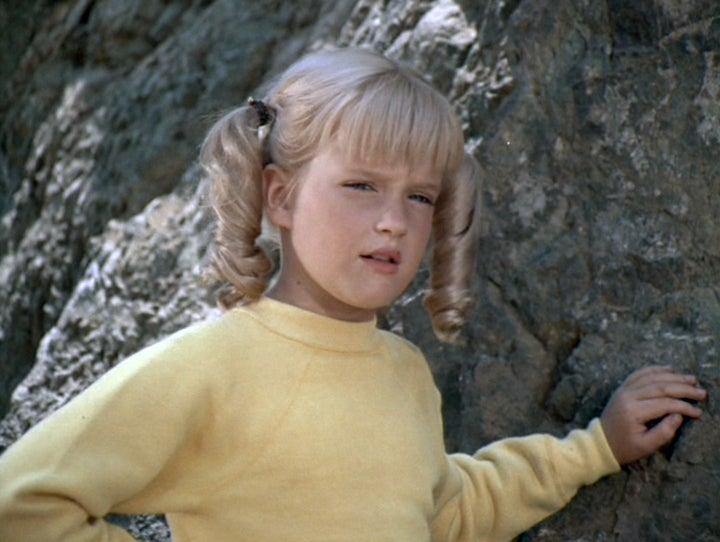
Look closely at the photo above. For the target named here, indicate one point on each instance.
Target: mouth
(381, 259)
(384, 256)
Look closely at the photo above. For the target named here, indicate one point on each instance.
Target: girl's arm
(98, 453)
(512, 484)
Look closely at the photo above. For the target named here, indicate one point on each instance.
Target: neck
(299, 297)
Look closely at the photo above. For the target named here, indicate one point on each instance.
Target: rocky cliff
(598, 124)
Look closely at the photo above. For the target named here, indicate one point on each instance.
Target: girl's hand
(653, 394)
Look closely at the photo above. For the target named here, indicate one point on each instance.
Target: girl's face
(353, 235)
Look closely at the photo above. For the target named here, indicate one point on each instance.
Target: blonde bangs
(395, 119)
(377, 110)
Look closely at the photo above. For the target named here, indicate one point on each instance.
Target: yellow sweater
(274, 424)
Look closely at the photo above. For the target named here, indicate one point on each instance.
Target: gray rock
(597, 125)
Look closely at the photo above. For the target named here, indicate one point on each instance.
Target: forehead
(410, 125)
(425, 172)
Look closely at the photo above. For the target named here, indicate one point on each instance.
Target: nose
(393, 219)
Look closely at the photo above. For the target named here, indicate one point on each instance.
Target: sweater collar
(313, 329)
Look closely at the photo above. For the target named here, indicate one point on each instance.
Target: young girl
(292, 417)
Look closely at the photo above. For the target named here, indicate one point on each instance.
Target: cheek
(318, 237)
(425, 227)
(421, 239)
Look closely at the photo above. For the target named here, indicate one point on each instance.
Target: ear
(277, 188)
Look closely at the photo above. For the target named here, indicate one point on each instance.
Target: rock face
(598, 126)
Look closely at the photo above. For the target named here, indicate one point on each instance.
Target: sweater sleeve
(99, 450)
(512, 484)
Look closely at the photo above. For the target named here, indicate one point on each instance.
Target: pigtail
(455, 232)
(233, 158)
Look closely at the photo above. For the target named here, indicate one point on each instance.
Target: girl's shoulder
(400, 344)
(215, 331)
(201, 347)
(406, 354)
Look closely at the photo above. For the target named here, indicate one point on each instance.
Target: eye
(360, 186)
(421, 198)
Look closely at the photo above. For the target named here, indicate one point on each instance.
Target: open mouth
(381, 258)
(384, 257)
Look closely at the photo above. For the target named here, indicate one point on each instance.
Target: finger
(662, 433)
(659, 377)
(678, 389)
(646, 372)
(665, 377)
(654, 409)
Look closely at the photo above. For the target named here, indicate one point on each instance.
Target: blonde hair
(378, 111)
